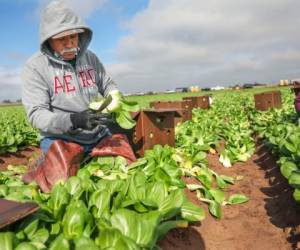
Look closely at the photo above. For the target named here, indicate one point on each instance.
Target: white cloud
(173, 43)
(10, 83)
(181, 42)
(87, 7)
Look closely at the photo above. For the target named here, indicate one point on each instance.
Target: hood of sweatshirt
(56, 18)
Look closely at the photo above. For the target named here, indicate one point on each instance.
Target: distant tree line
(7, 101)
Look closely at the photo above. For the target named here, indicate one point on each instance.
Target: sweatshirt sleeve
(36, 100)
(106, 84)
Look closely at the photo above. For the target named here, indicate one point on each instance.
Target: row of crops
(15, 131)
(113, 205)
(233, 122)
(110, 205)
(281, 131)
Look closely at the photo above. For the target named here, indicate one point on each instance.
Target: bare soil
(22, 157)
(269, 220)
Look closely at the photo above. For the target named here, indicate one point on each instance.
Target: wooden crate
(152, 127)
(199, 101)
(267, 100)
(12, 211)
(184, 109)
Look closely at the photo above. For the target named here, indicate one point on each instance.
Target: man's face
(65, 46)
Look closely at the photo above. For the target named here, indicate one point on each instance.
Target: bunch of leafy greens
(107, 205)
(119, 108)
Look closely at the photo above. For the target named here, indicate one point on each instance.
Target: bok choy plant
(120, 109)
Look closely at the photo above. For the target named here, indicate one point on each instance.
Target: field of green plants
(15, 131)
(112, 205)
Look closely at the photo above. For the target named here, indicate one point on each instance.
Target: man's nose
(69, 42)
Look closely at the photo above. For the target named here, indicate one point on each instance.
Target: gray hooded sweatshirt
(53, 88)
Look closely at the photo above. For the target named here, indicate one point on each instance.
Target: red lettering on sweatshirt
(87, 77)
(83, 79)
(66, 86)
(57, 85)
(67, 79)
(91, 73)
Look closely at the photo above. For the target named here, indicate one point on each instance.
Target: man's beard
(70, 50)
(67, 50)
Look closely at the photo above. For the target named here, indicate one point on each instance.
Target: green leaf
(141, 228)
(25, 246)
(60, 243)
(31, 228)
(220, 182)
(101, 201)
(41, 236)
(287, 168)
(172, 204)
(200, 156)
(73, 186)
(84, 174)
(124, 119)
(86, 244)
(116, 102)
(75, 219)
(296, 195)
(194, 187)
(218, 195)
(96, 105)
(294, 179)
(215, 209)
(106, 160)
(205, 179)
(162, 175)
(19, 169)
(137, 187)
(291, 147)
(228, 179)
(237, 199)
(191, 212)
(156, 192)
(59, 198)
(111, 238)
(3, 190)
(130, 106)
(139, 163)
(20, 235)
(6, 240)
(55, 228)
(139, 207)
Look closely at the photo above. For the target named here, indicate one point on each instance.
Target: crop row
(15, 131)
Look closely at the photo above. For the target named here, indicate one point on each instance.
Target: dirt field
(270, 220)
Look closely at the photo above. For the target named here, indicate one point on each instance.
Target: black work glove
(88, 119)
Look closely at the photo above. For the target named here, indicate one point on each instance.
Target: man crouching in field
(59, 82)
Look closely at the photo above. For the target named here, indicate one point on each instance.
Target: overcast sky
(160, 45)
